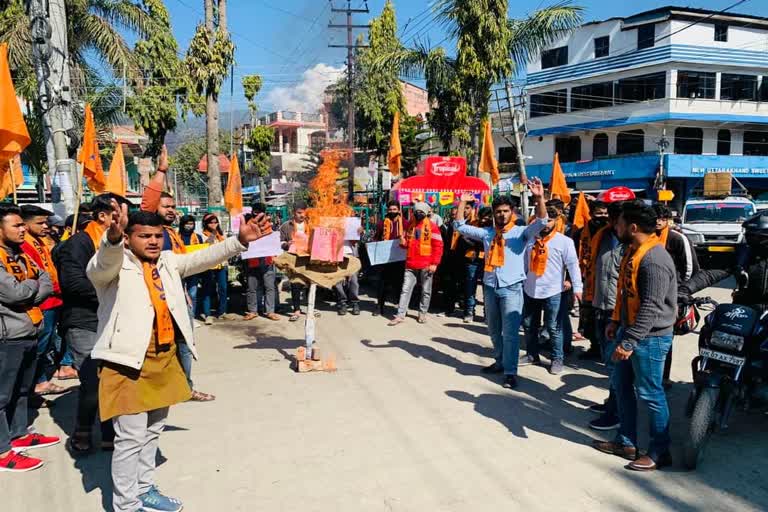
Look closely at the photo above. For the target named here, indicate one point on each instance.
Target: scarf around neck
(495, 256)
(627, 283)
(540, 253)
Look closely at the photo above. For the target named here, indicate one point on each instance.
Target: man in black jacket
(79, 321)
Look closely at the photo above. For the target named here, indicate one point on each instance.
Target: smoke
(307, 95)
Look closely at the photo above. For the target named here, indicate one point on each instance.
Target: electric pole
(515, 114)
(48, 27)
(663, 143)
(351, 47)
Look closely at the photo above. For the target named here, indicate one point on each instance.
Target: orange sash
(495, 256)
(664, 236)
(219, 237)
(95, 231)
(560, 225)
(44, 253)
(627, 284)
(390, 233)
(177, 244)
(23, 272)
(163, 318)
(425, 240)
(540, 253)
(590, 265)
(194, 239)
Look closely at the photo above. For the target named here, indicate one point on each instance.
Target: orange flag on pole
(116, 179)
(89, 155)
(233, 195)
(11, 176)
(581, 216)
(557, 186)
(14, 136)
(395, 157)
(488, 161)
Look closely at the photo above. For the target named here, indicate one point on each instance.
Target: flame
(326, 196)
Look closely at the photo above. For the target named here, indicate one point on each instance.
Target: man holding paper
(260, 272)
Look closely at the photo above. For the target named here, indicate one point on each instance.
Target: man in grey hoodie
(23, 287)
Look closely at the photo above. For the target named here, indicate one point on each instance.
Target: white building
(604, 96)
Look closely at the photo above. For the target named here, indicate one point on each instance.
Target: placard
(263, 247)
(195, 247)
(388, 251)
(352, 228)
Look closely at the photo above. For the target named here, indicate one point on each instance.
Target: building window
(763, 93)
(602, 46)
(554, 57)
(629, 142)
(592, 96)
(641, 88)
(738, 87)
(568, 149)
(756, 143)
(646, 36)
(696, 84)
(555, 102)
(724, 142)
(689, 141)
(721, 32)
(600, 145)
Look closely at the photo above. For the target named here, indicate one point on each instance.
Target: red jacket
(54, 301)
(416, 261)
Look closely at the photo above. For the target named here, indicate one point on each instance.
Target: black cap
(32, 210)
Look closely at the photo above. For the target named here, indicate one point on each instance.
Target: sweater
(657, 287)
(414, 260)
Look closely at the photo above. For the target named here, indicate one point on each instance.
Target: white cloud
(307, 95)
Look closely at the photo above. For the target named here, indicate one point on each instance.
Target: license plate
(723, 358)
(722, 249)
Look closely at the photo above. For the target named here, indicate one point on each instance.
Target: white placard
(263, 247)
(351, 228)
(387, 251)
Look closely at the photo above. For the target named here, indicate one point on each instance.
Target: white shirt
(299, 227)
(561, 257)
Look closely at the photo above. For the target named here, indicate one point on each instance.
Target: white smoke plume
(307, 95)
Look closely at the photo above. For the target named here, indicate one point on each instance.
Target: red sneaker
(19, 463)
(32, 441)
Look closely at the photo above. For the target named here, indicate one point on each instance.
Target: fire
(328, 200)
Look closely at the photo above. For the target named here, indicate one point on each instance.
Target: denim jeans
(645, 367)
(409, 283)
(503, 314)
(185, 358)
(191, 284)
(17, 375)
(532, 324)
(46, 346)
(601, 320)
(215, 283)
(474, 274)
(564, 320)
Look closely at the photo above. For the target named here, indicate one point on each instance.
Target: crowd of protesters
(112, 298)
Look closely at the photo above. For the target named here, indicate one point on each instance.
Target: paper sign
(263, 247)
(417, 197)
(195, 247)
(405, 198)
(351, 228)
(446, 198)
(388, 251)
(432, 198)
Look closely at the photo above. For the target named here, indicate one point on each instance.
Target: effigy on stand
(316, 257)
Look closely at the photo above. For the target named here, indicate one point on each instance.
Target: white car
(714, 225)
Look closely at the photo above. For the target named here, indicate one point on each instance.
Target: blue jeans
(564, 320)
(185, 358)
(474, 274)
(503, 314)
(646, 368)
(607, 347)
(215, 283)
(532, 323)
(47, 342)
(190, 284)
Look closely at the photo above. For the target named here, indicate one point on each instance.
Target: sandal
(65, 373)
(295, 316)
(198, 396)
(79, 443)
(49, 388)
(273, 317)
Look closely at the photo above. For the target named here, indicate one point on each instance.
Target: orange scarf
(627, 284)
(664, 236)
(590, 264)
(95, 231)
(22, 272)
(425, 240)
(585, 248)
(165, 334)
(393, 229)
(44, 254)
(177, 244)
(495, 256)
(194, 239)
(540, 253)
(219, 237)
(455, 236)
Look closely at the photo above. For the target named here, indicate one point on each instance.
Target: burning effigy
(316, 257)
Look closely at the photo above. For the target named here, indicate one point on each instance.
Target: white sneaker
(209, 320)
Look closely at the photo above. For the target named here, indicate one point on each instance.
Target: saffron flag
(14, 136)
(11, 176)
(488, 161)
(581, 215)
(89, 156)
(116, 179)
(233, 195)
(557, 186)
(395, 150)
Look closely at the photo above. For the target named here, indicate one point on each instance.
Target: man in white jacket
(142, 316)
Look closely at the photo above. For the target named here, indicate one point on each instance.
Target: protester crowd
(112, 298)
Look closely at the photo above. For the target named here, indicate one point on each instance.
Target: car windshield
(718, 212)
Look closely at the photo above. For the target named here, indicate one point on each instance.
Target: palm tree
(489, 48)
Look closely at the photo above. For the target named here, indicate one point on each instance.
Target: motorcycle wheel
(701, 426)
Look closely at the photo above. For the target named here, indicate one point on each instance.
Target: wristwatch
(629, 347)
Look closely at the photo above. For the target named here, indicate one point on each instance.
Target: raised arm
(460, 224)
(533, 229)
(150, 199)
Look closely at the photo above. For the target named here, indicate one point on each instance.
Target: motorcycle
(730, 369)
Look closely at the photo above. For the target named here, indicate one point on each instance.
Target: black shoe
(528, 360)
(494, 368)
(592, 354)
(604, 423)
(376, 313)
(510, 382)
(342, 309)
(355, 308)
(597, 408)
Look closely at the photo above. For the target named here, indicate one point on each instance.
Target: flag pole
(13, 182)
(79, 196)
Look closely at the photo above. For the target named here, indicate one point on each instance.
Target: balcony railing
(287, 115)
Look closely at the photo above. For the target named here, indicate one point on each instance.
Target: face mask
(420, 216)
(392, 216)
(599, 222)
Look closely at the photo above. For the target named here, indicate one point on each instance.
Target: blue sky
(282, 39)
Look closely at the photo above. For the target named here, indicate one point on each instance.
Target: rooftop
(686, 13)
